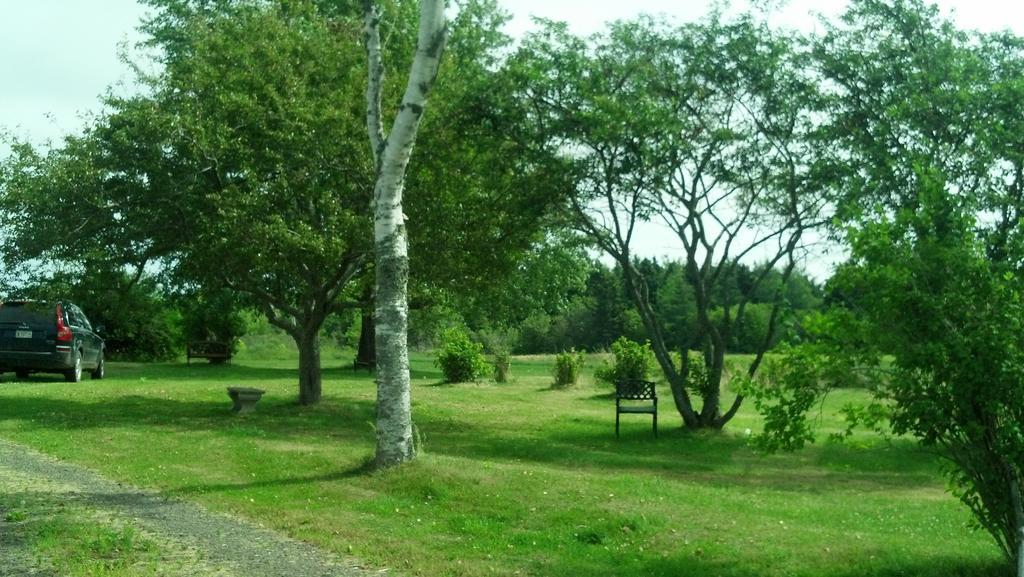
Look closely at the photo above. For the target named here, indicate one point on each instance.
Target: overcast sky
(58, 56)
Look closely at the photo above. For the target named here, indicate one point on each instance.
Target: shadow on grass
(441, 384)
(939, 566)
(273, 419)
(719, 457)
(226, 372)
(576, 442)
(365, 468)
(204, 372)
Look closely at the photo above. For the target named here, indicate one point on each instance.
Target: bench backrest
(635, 390)
(199, 348)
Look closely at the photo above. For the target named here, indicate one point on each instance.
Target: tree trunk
(394, 412)
(637, 289)
(710, 411)
(366, 355)
(309, 368)
(1016, 545)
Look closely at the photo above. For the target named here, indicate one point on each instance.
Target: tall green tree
(261, 101)
(926, 124)
(225, 167)
(238, 143)
(707, 128)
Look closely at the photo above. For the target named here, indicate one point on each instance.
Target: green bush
(214, 315)
(567, 368)
(697, 379)
(496, 340)
(460, 359)
(633, 361)
(502, 366)
(138, 322)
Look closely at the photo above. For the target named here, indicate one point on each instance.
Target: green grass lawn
(513, 479)
(73, 542)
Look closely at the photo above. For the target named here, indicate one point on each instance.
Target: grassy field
(514, 479)
(73, 542)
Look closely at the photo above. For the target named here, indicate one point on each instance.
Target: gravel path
(221, 545)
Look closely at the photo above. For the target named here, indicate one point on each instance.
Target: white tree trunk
(395, 443)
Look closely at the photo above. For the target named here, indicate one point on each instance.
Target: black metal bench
(636, 390)
(214, 351)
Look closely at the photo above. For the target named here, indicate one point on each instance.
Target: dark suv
(48, 338)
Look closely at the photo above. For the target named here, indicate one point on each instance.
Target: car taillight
(63, 331)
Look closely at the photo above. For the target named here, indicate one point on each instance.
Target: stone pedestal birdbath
(245, 398)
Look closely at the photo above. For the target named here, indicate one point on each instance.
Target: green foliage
(784, 393)
(698, 379)
(594, 319)
(242, 163)
(674, 302)
(840, 352)
(426, 324)
(139, 323)
(631, 360)
(747, 333)
(460, 359)
(568, 365)
(15, 516)
(502, 366)
(481, 202)
(929, 169)
(544, 333)
(212, 316)
(77, 547)
(646, 112)
(496, 340)
(926, 293)
(920, 276)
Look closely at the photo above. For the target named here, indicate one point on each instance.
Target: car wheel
(100, 371)
(74, 375)
(21, 374)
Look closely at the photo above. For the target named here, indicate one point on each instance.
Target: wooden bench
(214, 351)
(636, 390)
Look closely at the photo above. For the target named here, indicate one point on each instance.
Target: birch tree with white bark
(392, 151)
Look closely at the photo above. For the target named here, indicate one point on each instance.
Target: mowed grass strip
(52, 537)
(514, 479)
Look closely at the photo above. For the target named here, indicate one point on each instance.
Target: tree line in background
(587, 310)
(598, 310)
(240, 178)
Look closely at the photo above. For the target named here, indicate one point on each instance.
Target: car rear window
(29, 312)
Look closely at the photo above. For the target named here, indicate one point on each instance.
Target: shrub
(212, 316)
(633, 360)
(460, 359)
(567, 368)
(502, 366)
(496, 340)
(697, 379)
